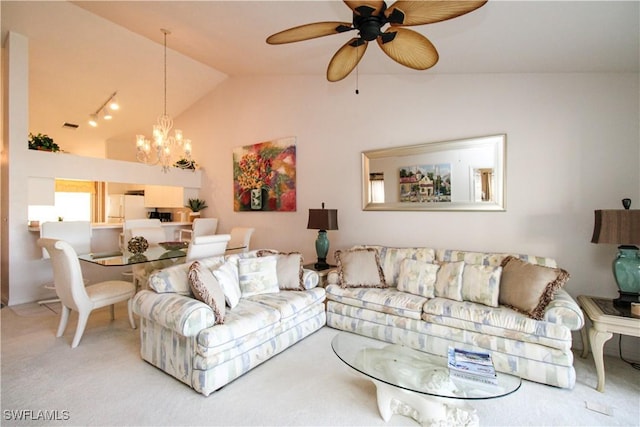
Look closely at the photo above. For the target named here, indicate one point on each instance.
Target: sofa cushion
(227, 276)
(205, 288)
(387, 300)
(529, 288)
(360, 268)
(290, 303)
(481, 284)
(247, 318)
(289, 269)
(258, 275)
(417, 277)
(449, 280)
(391, 258)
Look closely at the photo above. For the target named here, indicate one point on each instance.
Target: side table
(606, 319)
(322, 273)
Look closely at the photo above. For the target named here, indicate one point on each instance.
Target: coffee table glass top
(414, 370)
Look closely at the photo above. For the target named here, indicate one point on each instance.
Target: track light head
(93, 120)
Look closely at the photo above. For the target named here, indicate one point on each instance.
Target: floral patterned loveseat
(207, 344)
(510, 305)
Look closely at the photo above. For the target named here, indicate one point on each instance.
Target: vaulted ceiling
(82, 51)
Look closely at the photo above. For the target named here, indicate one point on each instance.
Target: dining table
(119, 258)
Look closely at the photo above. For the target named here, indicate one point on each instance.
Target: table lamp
(622, 227)
(322, 220)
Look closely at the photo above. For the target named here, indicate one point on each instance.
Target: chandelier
(164, 145)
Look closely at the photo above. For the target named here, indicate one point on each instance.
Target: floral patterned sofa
(510, 305)
(208, 322)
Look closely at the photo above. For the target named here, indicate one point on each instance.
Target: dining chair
(131, 224)
(76, 233)
(240, 238)
(207, 246)
(200, 227)
(73, 294)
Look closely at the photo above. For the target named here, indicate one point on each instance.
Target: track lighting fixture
(104, 110)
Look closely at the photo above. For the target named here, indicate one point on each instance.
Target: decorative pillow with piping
(227, 276)
(205, 288)
(417, 277)
(258, 275)
(289, 268)
(529, 288)
(481, 284)
(360, 268)
(449, 280)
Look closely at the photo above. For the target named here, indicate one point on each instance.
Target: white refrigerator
(121, 207)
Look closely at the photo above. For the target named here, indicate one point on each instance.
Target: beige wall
(572, 147)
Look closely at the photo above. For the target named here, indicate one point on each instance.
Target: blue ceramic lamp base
(322, 249)
(626, 269)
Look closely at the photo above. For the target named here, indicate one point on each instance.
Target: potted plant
(42, 142)
(196, 205)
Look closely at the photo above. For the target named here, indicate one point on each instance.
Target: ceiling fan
(404, 46)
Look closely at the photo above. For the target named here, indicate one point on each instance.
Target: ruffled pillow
(360, 268)
(529, 288)
(289, 269)
(205, 288)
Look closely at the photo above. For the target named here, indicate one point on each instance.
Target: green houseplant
(42, 142)
(196, 205)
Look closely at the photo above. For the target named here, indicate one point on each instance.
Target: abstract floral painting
(264, 176)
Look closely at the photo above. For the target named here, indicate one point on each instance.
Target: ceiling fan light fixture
(370, 17)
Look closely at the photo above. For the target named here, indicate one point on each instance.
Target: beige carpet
(104, 382)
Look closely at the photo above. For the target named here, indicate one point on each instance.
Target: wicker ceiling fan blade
(408, 48)
(408, 13)
(364, 7)
(309, 31)
(346, 59)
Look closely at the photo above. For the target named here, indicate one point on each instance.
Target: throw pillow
(529, 288)
(206, 288)
(360, 268)
(227, 276)
(258, 275)
(289, 268)
(449, 280)
(417, 277)
(481, 284)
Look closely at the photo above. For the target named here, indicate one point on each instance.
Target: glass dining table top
(153, 253)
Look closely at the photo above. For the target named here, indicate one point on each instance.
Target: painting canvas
(425, 183)
(264, 176)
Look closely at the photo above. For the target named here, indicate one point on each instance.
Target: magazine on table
(471, 365)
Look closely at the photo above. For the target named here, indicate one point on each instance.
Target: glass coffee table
(417, 384)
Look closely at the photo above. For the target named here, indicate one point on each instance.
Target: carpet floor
(104, 382)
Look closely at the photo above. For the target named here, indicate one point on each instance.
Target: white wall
(572, 147)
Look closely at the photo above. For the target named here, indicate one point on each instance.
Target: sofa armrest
(182, 314)
(333, 278)
(564, 310)
(310, 279)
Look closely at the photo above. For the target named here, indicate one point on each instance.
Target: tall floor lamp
(622, 227)
(322, 220)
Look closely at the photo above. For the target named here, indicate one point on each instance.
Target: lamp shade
(323, 219)
(617, 226)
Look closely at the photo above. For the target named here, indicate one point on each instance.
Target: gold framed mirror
(458, 175)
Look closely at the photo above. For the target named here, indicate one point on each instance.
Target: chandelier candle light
(164, 145)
